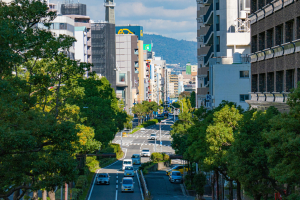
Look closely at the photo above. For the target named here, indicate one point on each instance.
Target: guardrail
(144, 185)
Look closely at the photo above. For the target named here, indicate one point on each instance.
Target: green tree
(139, 110)
(193, 99)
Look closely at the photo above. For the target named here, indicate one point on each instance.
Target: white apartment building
(81, 44)
(223, 38)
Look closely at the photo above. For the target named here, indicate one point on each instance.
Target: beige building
(174, 79)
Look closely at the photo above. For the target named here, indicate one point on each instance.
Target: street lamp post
(155, 143)
(160, 136)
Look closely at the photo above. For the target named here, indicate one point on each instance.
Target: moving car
(136, 159)
(177, 168)
(103, 178)
(146, 152)
(126, 162)
(152, 136)
(175, 177)
(128, 171)
(127, 184)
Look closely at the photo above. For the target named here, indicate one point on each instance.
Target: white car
(153, 136)
(127, 184)
(126, 162)
(103, 178)
(142, 129)
(128, 171)
(145, 152)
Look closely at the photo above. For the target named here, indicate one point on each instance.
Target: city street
(133, 144)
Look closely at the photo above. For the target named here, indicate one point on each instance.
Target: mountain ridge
(172, 50)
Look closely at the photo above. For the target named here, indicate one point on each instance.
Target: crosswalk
(145, 136)
(140, 144)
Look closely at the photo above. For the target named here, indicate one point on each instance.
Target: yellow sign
(124, 134)
(142, 34)
(123, 31)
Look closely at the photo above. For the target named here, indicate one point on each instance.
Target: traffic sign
(160, 143)
(208, 97)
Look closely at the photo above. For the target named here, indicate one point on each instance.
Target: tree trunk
(35, 195)
(51, 195)
(44, 194)
(213, 187)
(66, 191)
(16, 195)
(218, 188)
(230, 190)
(238, 190)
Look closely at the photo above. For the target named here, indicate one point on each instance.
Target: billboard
(188, 69)
(135, 30)
(148, 47)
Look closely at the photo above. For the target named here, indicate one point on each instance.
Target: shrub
(166, 157)
(81, 182)
(199, 183)
(156, 157)
(92, 163)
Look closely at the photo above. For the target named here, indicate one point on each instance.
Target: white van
(126, 162)
(136, 159)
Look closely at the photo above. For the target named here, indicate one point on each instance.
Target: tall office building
(104, 50)
(109, 11)
(275, 46)
(223, 36)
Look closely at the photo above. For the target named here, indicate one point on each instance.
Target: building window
(289, 30)
(217, 5)
(270, 40)
(270, 82)
(254, 44)
(262, 82)
(218, 44)
(253, 6)
(122, 77)
(218, 23)
(254, 83)
(298, 28)
(244, 97)
(279, 35)
(279, 81)
(244, 74)
(290, 80)
(261, 41)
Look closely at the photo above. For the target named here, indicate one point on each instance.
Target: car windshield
(128, 168)
(127, 181)
(153, 134)
(145, 150)
(127, 162)
(102, 175)
(176, 173)
(135, 156)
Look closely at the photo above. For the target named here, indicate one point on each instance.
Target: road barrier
(144, 185)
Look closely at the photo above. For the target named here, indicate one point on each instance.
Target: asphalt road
(133, 144)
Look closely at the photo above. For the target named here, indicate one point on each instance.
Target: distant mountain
(172, 50)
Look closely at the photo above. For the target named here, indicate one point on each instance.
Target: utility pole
(155, 143)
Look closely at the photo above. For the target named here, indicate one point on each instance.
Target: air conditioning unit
(243, 14)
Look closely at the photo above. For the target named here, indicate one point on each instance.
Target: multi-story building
(127, 55)
(174, 79)
(77, 12)
(223, 32)
(275, 46)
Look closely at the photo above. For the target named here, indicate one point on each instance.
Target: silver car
(128, 171)
(127, 184)
(175, 177)
(145, 152)
(103, 178)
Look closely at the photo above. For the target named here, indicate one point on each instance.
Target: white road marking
(116, 194)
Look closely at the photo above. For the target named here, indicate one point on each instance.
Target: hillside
(172, 50)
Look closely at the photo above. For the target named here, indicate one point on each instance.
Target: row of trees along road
(257, 151)
(146, 108)
(49, 112)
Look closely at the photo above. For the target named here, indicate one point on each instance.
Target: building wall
(81, 44)
(228, 85)
(141, 93)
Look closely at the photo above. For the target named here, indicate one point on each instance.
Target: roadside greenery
(145, 109)
(50, 112)
(257, 151)
(145, 124)
(154, 159)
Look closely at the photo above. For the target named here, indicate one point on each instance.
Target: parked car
(146, 152)
(177, 168)
(127, 184)
(126, 162)
(175, 177)
(153, 136)
(136, 159)
(128, 171)
(103, 178)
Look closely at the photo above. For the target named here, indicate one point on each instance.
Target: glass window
(122, 77)
(244, 74)
(244, 97)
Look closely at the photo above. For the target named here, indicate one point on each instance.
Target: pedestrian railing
(144, 185)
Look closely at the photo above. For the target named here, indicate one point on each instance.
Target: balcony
(253, 58)
(202, 71)
(268, 9)
(297, 45)
(261, 56)
(278, 51)
(202, 91)
(89, 43)
(277, 4)
(204, 1)
(287, 2)
(207, 34)
(269, 53)
(205, 15)
(109, 4)
(205, 53)
(260, 14)
(253, 18)
(136, 52)
(289, 48)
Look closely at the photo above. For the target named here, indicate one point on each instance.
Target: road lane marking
(93, 184)
(116, 194)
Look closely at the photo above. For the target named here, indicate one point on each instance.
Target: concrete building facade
(275, 46)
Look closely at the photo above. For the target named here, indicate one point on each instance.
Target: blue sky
(171, 18)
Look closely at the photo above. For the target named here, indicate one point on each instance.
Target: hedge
(82, 182)
(157, 157)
